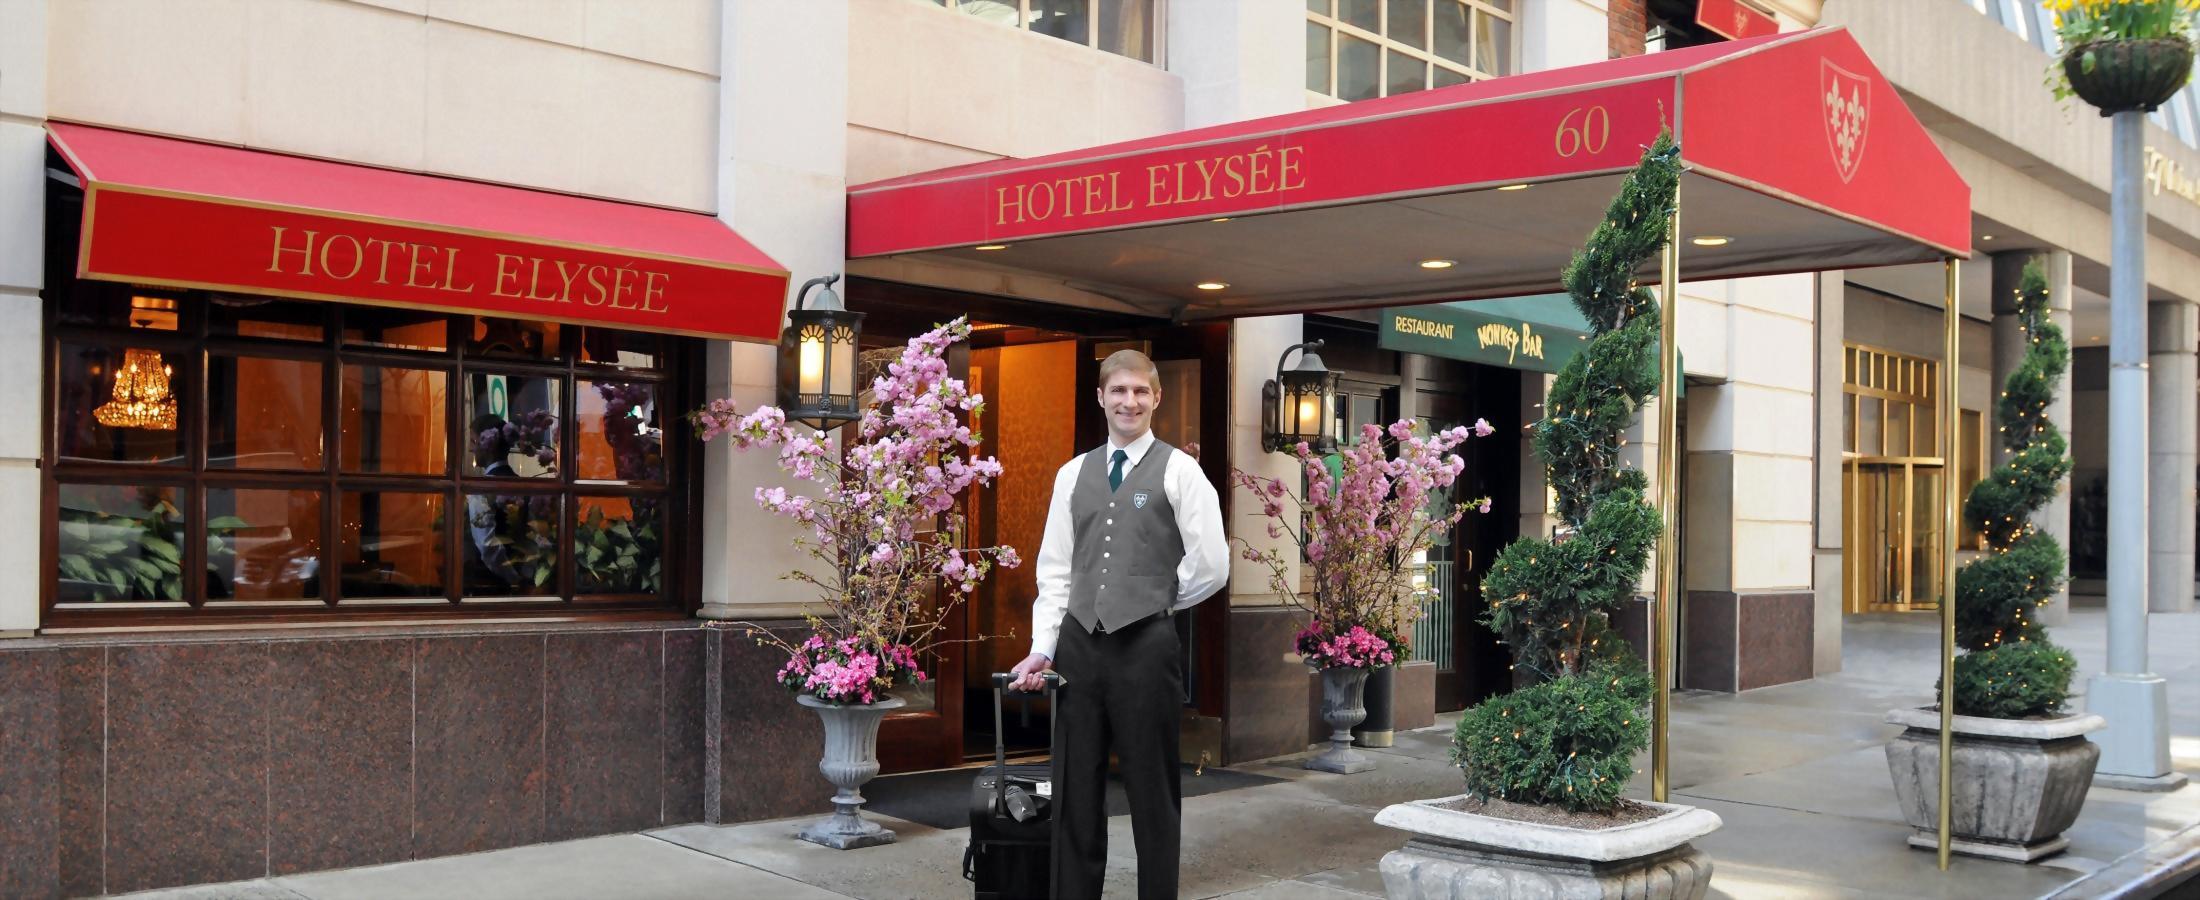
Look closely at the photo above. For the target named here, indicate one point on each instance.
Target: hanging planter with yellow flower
(2123, 55)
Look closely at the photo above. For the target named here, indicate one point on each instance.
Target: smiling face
(1128, 395)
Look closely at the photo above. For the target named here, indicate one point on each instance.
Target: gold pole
(1950, 418)
(1661, 607)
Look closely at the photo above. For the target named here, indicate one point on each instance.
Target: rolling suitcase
(1011, 852)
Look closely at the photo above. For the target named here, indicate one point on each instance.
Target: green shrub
(1569, 739)
(2014, 681)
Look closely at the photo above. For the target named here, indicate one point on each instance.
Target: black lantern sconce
(1300, 404)
(817, 358)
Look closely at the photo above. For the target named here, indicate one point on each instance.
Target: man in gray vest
(1133, 536)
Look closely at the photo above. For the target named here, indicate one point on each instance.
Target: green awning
(1537, 333)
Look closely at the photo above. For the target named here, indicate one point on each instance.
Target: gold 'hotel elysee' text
(1261, 170)
(342, 257)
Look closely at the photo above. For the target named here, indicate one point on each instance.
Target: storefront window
(392, 545)
(394, 420)
(511, 545)
(119, 544)
(263, 413)
(512, 429)
(216, 455)
(119, 404)
(263, 545)
(1360, 49)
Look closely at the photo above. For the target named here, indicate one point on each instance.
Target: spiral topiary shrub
(2011, 671)
(1569, 738)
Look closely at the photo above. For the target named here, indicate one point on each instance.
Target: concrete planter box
(1455, 855)
(2015, 784)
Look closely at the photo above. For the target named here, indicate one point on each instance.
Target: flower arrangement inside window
(879, 512)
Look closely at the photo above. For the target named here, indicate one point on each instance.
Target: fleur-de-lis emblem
(1845, 103)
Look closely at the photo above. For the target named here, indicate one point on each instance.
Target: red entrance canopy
(185, 214)
(1799, 154)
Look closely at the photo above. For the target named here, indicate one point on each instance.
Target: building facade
(470, 581)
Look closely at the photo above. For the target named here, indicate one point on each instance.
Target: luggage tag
(1046, 788)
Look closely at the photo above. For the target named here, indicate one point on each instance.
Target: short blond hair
(1130, 361)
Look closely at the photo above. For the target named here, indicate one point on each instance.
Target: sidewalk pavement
(1796, 771)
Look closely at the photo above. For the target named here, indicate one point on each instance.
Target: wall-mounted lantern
(1300, 404)
(817, 358)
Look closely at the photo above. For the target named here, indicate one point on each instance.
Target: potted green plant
(2123, 54)
(1361, 524)
(2019, 766)
(1545, 765)
(881, 519)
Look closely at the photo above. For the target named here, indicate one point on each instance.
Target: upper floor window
(1358, 49)
(1122, 27)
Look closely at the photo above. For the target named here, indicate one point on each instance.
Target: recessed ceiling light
(1985, 237)
(1212, 285)
(1710, 240)
(2094, 338)
(990, 247)
(1438, 263)
(1516, 187)
(1219, 219)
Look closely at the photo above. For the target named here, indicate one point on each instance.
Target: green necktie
(1115, 472)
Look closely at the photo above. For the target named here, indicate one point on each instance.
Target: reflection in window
(512, 426)
(620, 439)
(626, 349)
(119, 544)
(1121, 27)
(511, 545)
(391, 544)
(259, 317)
(396, 329)
(515, 338)
(263, 413)
(394, 420)
(618, 545)
(263, 544)
(118, 404)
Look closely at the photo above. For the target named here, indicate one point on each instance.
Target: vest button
(1111, 521)
(1104, 555)
(1111, 504)
(1103, 571)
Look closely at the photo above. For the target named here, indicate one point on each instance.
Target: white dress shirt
(1206, 563)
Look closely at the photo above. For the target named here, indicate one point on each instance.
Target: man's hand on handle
(1030, 673)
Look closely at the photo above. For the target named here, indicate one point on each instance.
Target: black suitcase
(1011, 852)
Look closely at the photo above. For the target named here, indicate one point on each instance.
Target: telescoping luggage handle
(1001, 681)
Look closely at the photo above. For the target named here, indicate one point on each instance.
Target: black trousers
(1123, 696)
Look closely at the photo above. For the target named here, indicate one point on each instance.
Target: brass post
(1668, 574)
(1951, 417)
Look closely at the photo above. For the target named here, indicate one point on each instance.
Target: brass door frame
(1905, 392)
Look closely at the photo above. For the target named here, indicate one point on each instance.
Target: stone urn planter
(851, 759)
(2014, 784)
(1455, 854)
(1343, 706)
(2123, 74)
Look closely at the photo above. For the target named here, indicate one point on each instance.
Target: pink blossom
(1482, 428)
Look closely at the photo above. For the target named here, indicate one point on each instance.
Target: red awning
(1798, 151)
(185, 214)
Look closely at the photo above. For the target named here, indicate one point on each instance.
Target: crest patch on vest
(1138, 500)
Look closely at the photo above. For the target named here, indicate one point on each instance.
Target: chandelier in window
(142, 397)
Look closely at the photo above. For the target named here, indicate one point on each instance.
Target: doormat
(942, 799)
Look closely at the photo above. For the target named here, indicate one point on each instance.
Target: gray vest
(1123, 561)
